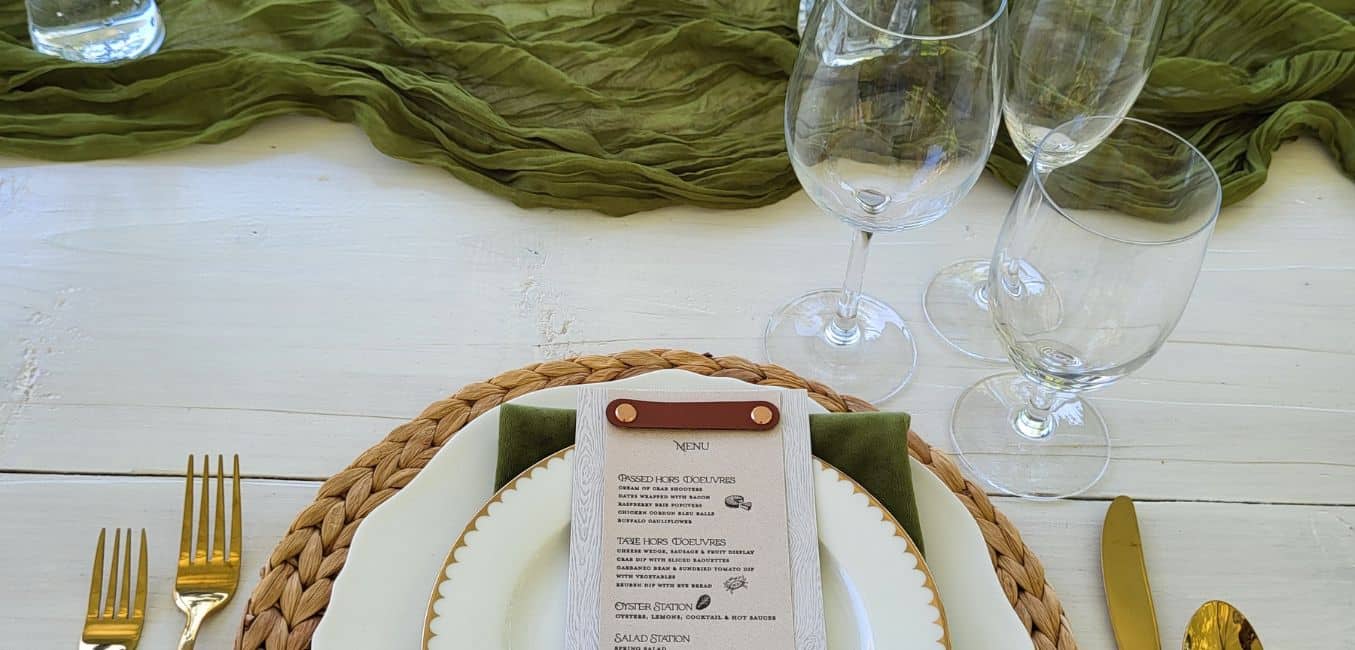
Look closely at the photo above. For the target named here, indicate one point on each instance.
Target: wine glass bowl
(891, 111)
(1075, 58)
(893, 108)
(1068, 59)
(1140, 204)
(1092, 271)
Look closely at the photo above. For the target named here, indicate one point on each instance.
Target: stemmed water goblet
(1066, 59)
(892, 109)
(1092, 270)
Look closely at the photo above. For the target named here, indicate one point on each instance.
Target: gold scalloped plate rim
(871, 502)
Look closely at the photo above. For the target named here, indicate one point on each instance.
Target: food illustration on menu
(668, 551)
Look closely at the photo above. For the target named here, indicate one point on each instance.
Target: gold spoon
(1217, 625)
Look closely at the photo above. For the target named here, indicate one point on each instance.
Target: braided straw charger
(293, 592)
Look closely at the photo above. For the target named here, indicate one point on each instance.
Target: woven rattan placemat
(293, 592)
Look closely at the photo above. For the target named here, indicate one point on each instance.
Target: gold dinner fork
(207, 578)
(116, 625)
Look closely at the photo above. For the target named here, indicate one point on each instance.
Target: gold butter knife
(1128, 596)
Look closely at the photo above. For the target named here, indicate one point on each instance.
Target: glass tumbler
(95, 31)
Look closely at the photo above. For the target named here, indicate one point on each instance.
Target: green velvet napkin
(872, 448)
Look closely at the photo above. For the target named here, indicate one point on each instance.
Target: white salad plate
(380, 598)
(505, 583)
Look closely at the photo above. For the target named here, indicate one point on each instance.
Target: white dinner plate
(505, 583)
(380, 598)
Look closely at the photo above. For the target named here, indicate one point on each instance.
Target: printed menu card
(693, 524)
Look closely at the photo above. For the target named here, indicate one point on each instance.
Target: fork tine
(139, 605)
(236, 532)
(219, 529)
(186, 535)
(126, 595)
(96, 577)
(113, 575)
(200, 555)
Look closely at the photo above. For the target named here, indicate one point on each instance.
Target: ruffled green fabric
(612, 105)
(1240, 77)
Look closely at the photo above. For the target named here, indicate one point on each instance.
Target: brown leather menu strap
(725, 416)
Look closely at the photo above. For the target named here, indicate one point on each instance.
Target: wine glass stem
(1036, 419)
(844, 329)
(981, 296)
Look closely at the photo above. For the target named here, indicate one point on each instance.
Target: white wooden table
(293, 294)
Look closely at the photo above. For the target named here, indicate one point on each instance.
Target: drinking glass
(806, 6)
(891, 111)
(1094, 266)
(95, 31)
(1068, 59)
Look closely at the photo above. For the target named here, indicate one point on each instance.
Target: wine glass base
(1066, 463)
(874, 367)
(956, 305)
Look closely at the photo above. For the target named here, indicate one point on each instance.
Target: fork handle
(189, 637)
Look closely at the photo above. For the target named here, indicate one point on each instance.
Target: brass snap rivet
(762, 414)
(625, 412)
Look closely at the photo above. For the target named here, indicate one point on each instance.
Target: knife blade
(1128, 596)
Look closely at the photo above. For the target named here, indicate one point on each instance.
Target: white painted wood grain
(583, 612)
(293, 295)
(296, 285)
(1290, 568)
(47, 546)
(811, 632)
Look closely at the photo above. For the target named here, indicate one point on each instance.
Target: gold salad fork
(207, 577)
(117, 624)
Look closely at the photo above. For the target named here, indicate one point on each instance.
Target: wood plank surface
(53, 522)
(296, 285)
(293, 295)
(1290, 568)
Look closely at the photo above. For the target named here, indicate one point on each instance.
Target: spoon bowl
(1217, 625)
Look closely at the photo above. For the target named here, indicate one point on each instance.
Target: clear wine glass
(1093, 269)
(891, 112)
(1067, 59)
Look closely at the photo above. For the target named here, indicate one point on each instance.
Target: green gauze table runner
(872, 448)
(612, 105)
